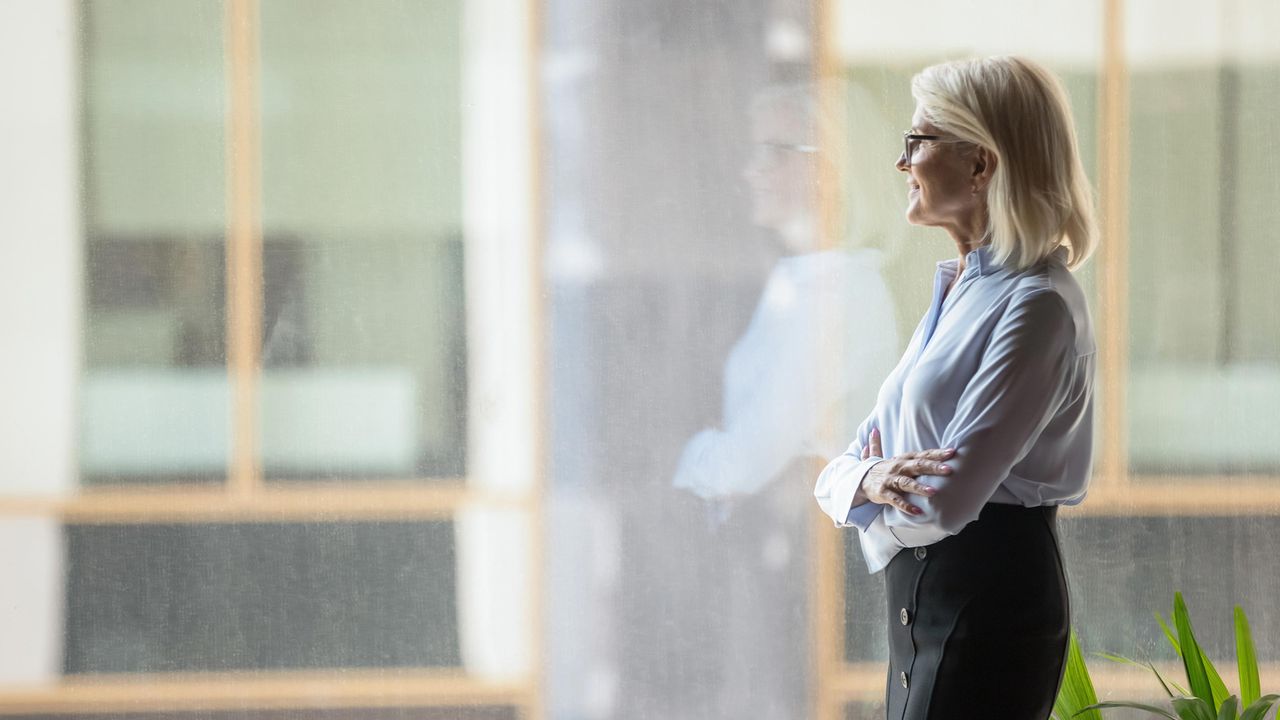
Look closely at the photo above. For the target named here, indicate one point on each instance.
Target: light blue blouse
(1002, 369)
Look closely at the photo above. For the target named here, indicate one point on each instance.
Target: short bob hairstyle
(1039, 198)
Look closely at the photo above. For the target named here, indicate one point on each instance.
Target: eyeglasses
(790, 146)
(911, 142)
(771, 154)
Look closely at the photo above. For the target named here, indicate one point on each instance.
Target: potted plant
(1207, 697)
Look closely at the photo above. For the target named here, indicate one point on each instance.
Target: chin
(916, 217)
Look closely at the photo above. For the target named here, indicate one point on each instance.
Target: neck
(968, 236)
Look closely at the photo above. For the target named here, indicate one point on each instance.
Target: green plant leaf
(1219, 688)
(1173, 640)
(1228, 709)
(1165, 685)
(1192, 708)
(1118, 659)
(1259, 707)
(1077, 690)
(1246, 660)
(1135, 706)
(1192, 657)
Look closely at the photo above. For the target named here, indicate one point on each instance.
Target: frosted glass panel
(363, 296)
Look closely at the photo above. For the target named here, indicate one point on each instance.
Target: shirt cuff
(861, 510)
(879, 544)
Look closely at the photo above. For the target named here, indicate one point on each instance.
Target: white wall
(40, 301)
(496, 602)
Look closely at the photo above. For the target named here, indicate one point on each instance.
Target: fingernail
(930, 490)
(915, 510)
(946, 468)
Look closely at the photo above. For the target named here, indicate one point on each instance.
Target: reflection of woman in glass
(822, 334)
(788, 384)
(985, 426)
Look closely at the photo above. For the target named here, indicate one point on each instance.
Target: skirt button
(921, 553)
(904, 616)
(903, 676)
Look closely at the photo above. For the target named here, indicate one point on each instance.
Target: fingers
(899, 502)
(893, 490)
(866, 451)
(874, 444)
(910, 485)
(940, 454)
(918, 467)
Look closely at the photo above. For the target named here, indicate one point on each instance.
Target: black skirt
(979, 621)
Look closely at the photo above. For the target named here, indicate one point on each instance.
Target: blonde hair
(1039, 198)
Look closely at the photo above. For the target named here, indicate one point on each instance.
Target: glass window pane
(864, 711)
(178, 598)
(154, 395)
(1123, 569)
(364, 347)
(865, 608)
(1205, 347)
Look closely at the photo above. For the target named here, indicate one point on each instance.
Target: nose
(901, 163)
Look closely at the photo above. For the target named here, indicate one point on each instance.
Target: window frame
(244, 497)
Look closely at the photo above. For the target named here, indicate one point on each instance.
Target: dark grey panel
(166, 598)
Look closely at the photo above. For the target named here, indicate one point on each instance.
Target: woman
(986, 424)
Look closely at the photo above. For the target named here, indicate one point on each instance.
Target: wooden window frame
(245, 498)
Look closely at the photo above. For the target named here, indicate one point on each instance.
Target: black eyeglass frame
(908, 137)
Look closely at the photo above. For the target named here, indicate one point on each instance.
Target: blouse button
(903, 677)
(904, 616)
(920, 553)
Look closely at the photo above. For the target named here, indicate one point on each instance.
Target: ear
(984, 167)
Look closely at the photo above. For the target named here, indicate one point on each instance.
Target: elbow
(943, 514)
(952, 520)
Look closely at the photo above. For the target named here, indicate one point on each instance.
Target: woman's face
(941, 179)
(779, 173)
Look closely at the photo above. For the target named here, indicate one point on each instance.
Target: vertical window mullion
(1113, 270)
(244, 243)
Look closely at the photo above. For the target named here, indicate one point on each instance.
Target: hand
(888, 482)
